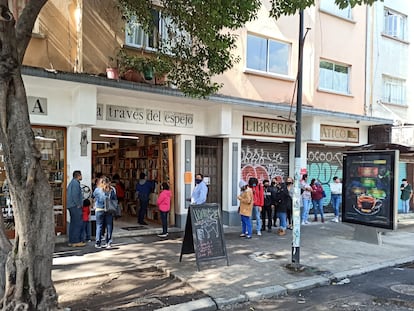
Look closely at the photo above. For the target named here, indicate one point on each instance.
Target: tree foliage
(291, 7)
(203, 36)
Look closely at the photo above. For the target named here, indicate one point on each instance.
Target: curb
(207, 304)
(204, 304)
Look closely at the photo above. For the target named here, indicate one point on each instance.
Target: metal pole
(298, 141)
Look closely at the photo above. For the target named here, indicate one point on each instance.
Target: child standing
(163, 202)
(86, 222)
(246, 207)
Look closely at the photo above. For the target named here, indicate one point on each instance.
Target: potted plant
(112, 71)
(130, 67)
(162, 66)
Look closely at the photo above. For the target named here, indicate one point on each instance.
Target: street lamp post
(298, 141)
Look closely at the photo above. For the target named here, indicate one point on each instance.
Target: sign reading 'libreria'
(268, 127)
(144, 116)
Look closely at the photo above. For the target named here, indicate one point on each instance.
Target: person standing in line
(246, 207)
(200, 191)
(317, 198)
(277, 182)
(269, 195)
(74, 202)
(86, 221)
(258, 198)
(144, 188)
(164, 205)
(289, 204)
(306, 191)
(406, 195)
(282, 202)
(120, 191)
(336, 196)
(102, 192)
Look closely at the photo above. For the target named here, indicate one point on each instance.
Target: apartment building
(83, 120)
(389, 78)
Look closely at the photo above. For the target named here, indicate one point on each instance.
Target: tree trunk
(28, 282)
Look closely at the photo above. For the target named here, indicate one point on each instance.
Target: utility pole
(298, 141)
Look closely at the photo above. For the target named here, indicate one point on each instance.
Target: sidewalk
(257, 267)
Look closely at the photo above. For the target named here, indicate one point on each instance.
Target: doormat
(134, 228)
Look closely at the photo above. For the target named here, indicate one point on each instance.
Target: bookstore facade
(113, 129)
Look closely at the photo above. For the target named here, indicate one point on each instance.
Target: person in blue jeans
(317, 199)
(258, 202)
(101, 193)
(306, 191)
(245, 209)
(74, 201)
(336, 196)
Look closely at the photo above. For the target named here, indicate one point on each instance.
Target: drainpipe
(369, 105)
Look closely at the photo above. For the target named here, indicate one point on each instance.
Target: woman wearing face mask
(199, 195)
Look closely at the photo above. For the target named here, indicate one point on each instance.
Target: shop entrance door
(208, 161)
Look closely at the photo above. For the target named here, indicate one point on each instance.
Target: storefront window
(51, 143)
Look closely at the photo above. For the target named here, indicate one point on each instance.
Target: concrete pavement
(257, 267)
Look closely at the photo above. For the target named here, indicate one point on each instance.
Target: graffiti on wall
(323, 165)
(263, 162)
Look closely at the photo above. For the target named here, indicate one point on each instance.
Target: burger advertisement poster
(370, 188)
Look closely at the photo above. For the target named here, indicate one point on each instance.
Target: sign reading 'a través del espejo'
(144, 116)
(268, 127)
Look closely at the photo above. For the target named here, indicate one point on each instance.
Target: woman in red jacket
(317, 199)
(163, 202)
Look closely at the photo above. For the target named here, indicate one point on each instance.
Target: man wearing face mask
(199, 195)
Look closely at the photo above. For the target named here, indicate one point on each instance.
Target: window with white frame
(331, 7)
(395, 24)
(163, 34)
(334, 77)
(393, 90)
(267, 55)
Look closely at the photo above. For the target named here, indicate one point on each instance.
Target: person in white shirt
(199, 195)
(306, 191)
(336, 196)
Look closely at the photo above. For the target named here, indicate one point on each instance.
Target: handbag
(111, 206)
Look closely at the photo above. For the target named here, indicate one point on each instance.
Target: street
(387, 289)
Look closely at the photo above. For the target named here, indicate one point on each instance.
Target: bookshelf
(151, 155)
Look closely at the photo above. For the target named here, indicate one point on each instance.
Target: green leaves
(291, 7)
(202, 38)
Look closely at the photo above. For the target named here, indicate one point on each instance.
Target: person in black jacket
(282, 202)
(269, 196)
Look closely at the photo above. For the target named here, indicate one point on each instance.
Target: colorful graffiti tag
(323, 165)
(263, 161)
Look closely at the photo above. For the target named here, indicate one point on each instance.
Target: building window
(334, 77)
(395, 24)
(268, 55)
(162, 36)
(393, 90)
(331, 7)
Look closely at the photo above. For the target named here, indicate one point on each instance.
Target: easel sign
(204, 234)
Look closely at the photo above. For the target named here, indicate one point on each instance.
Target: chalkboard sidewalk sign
(204, 233)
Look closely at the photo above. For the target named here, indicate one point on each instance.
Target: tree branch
(25, 25)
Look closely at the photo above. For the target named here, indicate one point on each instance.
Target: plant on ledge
(139, 67)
